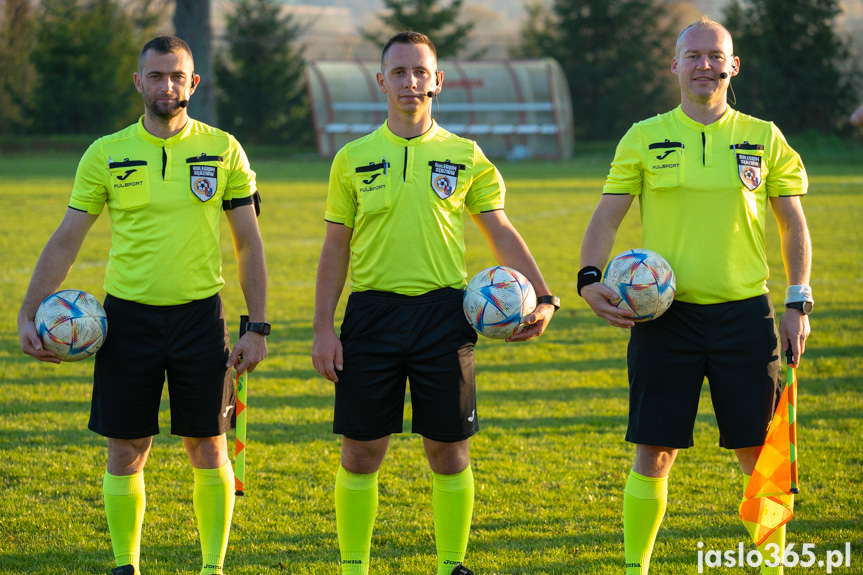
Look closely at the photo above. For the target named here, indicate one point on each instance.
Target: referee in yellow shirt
(394, 214)
(166, 181)
(704, 175)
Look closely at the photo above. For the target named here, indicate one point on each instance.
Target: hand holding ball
(72, 324)
(496, 301)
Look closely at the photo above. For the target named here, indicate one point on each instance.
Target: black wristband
(588, 275)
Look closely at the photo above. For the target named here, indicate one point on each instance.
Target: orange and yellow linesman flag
(768, 502)
(241, 416)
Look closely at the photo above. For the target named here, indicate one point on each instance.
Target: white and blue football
(644, 281)
(71, 323)
(496, 301)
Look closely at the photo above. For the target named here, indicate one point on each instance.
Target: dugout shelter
(512, 108)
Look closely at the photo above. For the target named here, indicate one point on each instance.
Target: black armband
(255, 199)
(588, 275)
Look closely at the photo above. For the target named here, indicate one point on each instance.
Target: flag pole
(791, 382)
(241, 415)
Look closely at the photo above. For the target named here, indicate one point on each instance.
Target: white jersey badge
(204, 181)
(444, 178)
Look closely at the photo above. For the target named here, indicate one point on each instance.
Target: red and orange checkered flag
(768, 502)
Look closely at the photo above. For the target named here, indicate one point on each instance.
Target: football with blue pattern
(496, 301)
(644, 281)
(72, 324)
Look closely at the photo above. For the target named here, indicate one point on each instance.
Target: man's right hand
(601, 300)
(327, 354)
(31, 344)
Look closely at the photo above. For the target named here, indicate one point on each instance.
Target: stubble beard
(164, 111)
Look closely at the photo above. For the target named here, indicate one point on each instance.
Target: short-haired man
(394, 214)
(704, 175)
(165, 180)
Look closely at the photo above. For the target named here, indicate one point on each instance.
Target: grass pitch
(550, 461)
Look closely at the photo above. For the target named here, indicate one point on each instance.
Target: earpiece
(185, 102)
(431, 93)
(724, 75)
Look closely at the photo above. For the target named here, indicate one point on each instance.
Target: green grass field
(550, 461)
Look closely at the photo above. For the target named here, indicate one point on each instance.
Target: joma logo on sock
(352, 561)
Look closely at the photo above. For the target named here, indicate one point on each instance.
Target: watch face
(804, 306)
(261, 328)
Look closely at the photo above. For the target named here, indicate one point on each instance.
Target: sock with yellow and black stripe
(125, 502)
(644, 502)
(356, 506)
(452, 500)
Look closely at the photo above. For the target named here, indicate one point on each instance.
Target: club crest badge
(444, 178)
(204, 181)
(749, 170)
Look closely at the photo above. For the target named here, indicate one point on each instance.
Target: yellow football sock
(125, 502)
(777, 538)
(644, 501)
(356, 506)
(452, 500)
(214, 505)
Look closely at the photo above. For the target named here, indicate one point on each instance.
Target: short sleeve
(786, 175)
(89, 193)
(341, 195)
(626, 173)
(487, 191)
(241, 178)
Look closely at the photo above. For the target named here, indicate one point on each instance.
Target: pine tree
(442, 24)
(261, 94)
(616, 55)
(794, 67)
(85, 56)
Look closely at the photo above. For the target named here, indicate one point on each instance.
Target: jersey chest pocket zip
(447, 183)
(129, 184)
(374, 193)
(664, 167)
(204, 177)
(747, 166)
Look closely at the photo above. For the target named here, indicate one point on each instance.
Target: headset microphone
(184, 103)
(430, 93)
(723, 75)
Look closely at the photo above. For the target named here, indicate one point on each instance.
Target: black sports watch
(803, 306)
(549, 299)
(262, 328)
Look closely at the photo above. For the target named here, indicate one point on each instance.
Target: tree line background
(67, 64)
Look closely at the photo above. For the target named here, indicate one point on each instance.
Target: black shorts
(735, 345)
(391, 338)
(190, 343)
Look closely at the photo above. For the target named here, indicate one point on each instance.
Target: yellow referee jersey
(703, 195)
(405, 201)
(165, 200)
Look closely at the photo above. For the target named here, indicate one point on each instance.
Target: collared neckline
(412, 141)
(142, 131)
(698, 126)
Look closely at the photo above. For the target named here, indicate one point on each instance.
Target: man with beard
(165, 180)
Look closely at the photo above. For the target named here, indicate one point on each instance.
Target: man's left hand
(794, 328)
(248, 353)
